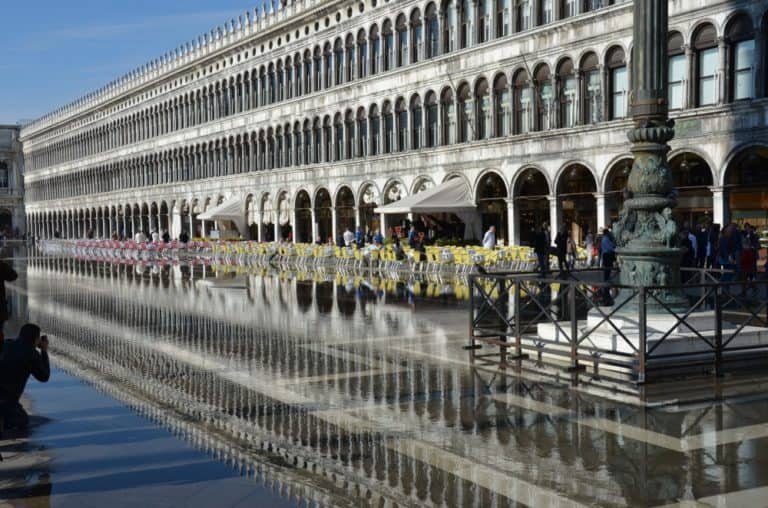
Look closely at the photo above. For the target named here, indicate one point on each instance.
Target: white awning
(452, 196)
(231, 210)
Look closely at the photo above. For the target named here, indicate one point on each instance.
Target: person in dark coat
(21, 359)
(541, 249)
(561, 249)
(7, 274)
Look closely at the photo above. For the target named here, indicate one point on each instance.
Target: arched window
(433, 31)
(741, 58)
(706, 79)
(448, 112)
(449, 26)
(676, 80)
(546, 98)
(318, 69)
(416, 36)
(328, 138)
(618, 82)
(484, 20)
(402, 125)
(317, 137)
(375, 125)
(465, 23)
(430, 102)
(349, 130)
(416, 122)
(338, 137)
(362, 54)
(591, 93)
(389, 46)
(288, 72)
(262, 86)
(307, 72)
(270, 152)
(281, 82)
(328, 65)
(546, 11)
(523, 96)
(502, 17)
(297, 146)
(350, 63)
(375, 49)
(4, 175)
(484, 111)
(465, 113)
(362, 133)
(338, 51)
(524, 15)
(278, 150)
(569, 8)
(567, 93)
(389, 127)
(502, 106)
(402, 40)
(307, 156)
(298, 89)
(271, 82)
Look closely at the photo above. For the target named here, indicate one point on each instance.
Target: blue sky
(53, 51)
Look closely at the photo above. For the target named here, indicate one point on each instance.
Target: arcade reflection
(345, 395)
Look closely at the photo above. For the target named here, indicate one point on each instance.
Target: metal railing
(580, 319)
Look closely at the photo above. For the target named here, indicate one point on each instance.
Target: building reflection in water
(333, 392)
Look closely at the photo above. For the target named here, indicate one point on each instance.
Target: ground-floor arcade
(580, 195)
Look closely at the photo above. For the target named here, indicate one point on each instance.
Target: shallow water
(336, 391)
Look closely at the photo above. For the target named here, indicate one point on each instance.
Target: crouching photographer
(21, 357)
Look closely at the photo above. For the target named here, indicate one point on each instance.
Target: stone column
(722, 71)
(277, 227)
(759, 64)
(554, 217)
(334, 226)
(512, 227)
(602, 218)
(314, 231)
(383, 224)
(690, 80)
(719, 205)
(294, 224)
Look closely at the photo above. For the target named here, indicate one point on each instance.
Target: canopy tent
(452, 196)
(230, 210)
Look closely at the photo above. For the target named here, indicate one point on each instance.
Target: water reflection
(340, 392)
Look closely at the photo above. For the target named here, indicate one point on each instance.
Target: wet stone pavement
(179, 386)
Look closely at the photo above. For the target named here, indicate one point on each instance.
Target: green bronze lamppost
(645, 232)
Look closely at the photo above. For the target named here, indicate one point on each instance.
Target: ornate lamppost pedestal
(646, 231)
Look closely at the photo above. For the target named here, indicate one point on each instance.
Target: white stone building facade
(314, 113)
(12, 214)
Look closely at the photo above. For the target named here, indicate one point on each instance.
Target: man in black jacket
(19, 360)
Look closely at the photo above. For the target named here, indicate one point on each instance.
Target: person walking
(23, 357)
(589, 245)
(607, 254)
(349, 237)
(489, 239)
(570, 252)
(561, 249)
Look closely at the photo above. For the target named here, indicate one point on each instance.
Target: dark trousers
(13, 415)
(561, 264)
(543, 263)
(608, 259)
